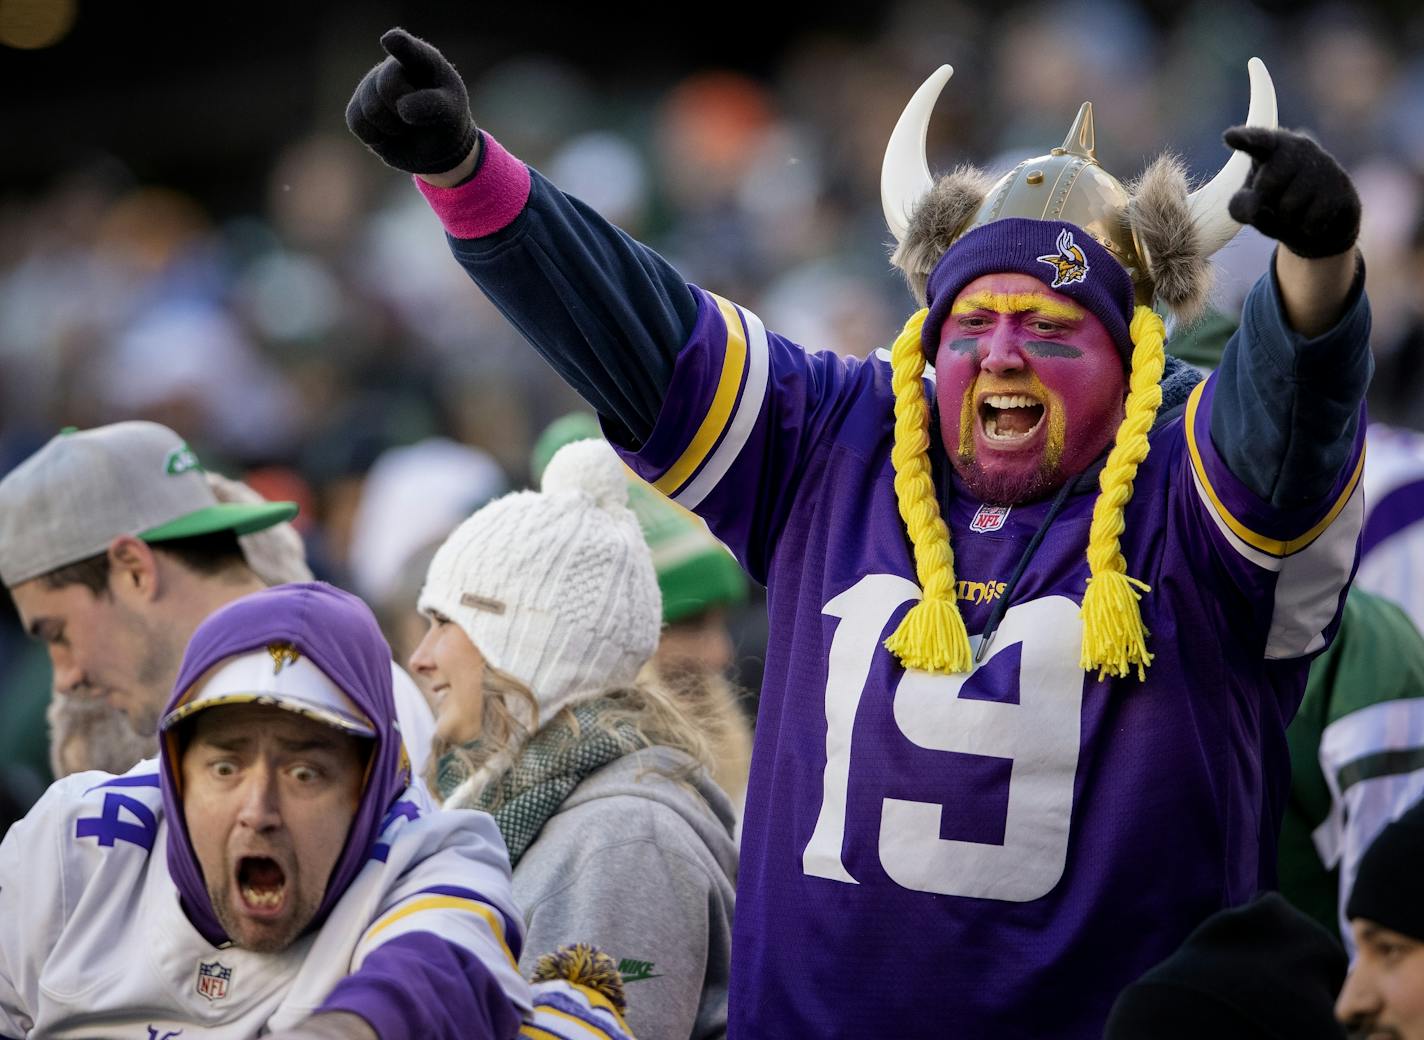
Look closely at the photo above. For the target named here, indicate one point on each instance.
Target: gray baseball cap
(83, 489)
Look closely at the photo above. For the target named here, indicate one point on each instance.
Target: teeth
(1010, 401)
(265, 898)
(991, 429)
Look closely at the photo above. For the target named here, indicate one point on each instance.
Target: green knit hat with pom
(695, 571)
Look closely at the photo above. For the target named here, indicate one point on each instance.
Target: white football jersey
(1392, 547)
(94, 942)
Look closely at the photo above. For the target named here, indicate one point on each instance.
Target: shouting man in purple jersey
(1037, 625)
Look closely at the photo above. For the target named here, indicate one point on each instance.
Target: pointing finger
(1259, 142)
(422, 62)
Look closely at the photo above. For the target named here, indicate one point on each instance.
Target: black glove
(1295, 193)
(412, 109)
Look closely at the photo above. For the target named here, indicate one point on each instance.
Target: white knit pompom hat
(555, 587)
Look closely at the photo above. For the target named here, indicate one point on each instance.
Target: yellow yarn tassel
(1114, 637)
(931, 637)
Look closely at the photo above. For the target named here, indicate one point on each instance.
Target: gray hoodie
(644, 867)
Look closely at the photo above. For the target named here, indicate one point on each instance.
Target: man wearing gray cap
(115, 548)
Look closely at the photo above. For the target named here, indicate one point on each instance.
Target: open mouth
(261, 883)
(1010, 418)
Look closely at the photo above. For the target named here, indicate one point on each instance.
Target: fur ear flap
(1160, 217)
(937, 222)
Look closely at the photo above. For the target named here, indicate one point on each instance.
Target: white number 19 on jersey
(1040, 733)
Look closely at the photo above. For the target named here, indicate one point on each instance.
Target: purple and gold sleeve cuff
(489, 201)
(420, 986)
(1266, 528)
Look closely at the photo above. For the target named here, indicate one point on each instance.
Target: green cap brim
(237, 517)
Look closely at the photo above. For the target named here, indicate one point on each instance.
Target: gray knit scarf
(554, 762)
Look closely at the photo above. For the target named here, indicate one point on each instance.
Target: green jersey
(1357, 753)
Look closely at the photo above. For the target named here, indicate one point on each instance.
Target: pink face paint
(1030, 388)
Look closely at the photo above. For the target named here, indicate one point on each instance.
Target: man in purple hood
(276, 875)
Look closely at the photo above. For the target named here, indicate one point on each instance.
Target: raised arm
(438, 956)
(606, 312)
(1287, 404)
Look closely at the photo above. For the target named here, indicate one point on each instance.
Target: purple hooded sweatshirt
(338, 633)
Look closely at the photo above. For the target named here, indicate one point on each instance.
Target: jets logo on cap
(1069, 263)
(180, 460)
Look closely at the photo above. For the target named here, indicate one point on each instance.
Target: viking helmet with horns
(1159, 231)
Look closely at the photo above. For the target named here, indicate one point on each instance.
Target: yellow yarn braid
(1114, 638)
(931, 638)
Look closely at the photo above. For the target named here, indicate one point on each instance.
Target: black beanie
(1260, 971)
(1387, 889)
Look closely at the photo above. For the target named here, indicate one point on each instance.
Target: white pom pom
(590, 467)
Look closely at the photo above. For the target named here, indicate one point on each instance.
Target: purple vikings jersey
(994, 854)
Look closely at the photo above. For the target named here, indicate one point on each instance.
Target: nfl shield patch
(213, 980)
(989, 518)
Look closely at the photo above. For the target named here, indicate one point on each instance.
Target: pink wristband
(488, 201)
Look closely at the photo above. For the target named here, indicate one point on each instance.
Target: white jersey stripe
(1265, 561)
(1360, 811)
(1396, 725)
(739, 430)
(1310, 582)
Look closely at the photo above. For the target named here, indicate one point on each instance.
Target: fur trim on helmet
(1161, 218)
(937, 222)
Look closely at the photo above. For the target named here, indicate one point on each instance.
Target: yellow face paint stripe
(1274, 546)
(1016, 303)
(495, 922)
(537, 1033)
(719, 413)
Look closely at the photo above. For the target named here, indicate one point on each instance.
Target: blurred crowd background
(189, 234)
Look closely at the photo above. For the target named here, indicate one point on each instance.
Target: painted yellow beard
(1052, 449)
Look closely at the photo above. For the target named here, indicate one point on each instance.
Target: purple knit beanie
(1061, 255)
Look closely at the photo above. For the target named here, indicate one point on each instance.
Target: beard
(273, 938)
(1006, 489)
(156, 652)
(143, 719)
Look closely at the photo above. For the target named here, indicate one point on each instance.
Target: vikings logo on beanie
(1058, 254)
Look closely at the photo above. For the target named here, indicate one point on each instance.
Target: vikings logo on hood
(337, 632)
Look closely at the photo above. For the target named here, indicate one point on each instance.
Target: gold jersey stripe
(1273, 546)
(719, 413)
(417, 906)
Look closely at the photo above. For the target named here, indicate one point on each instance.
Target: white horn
(1208, 203)
(904, 176)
